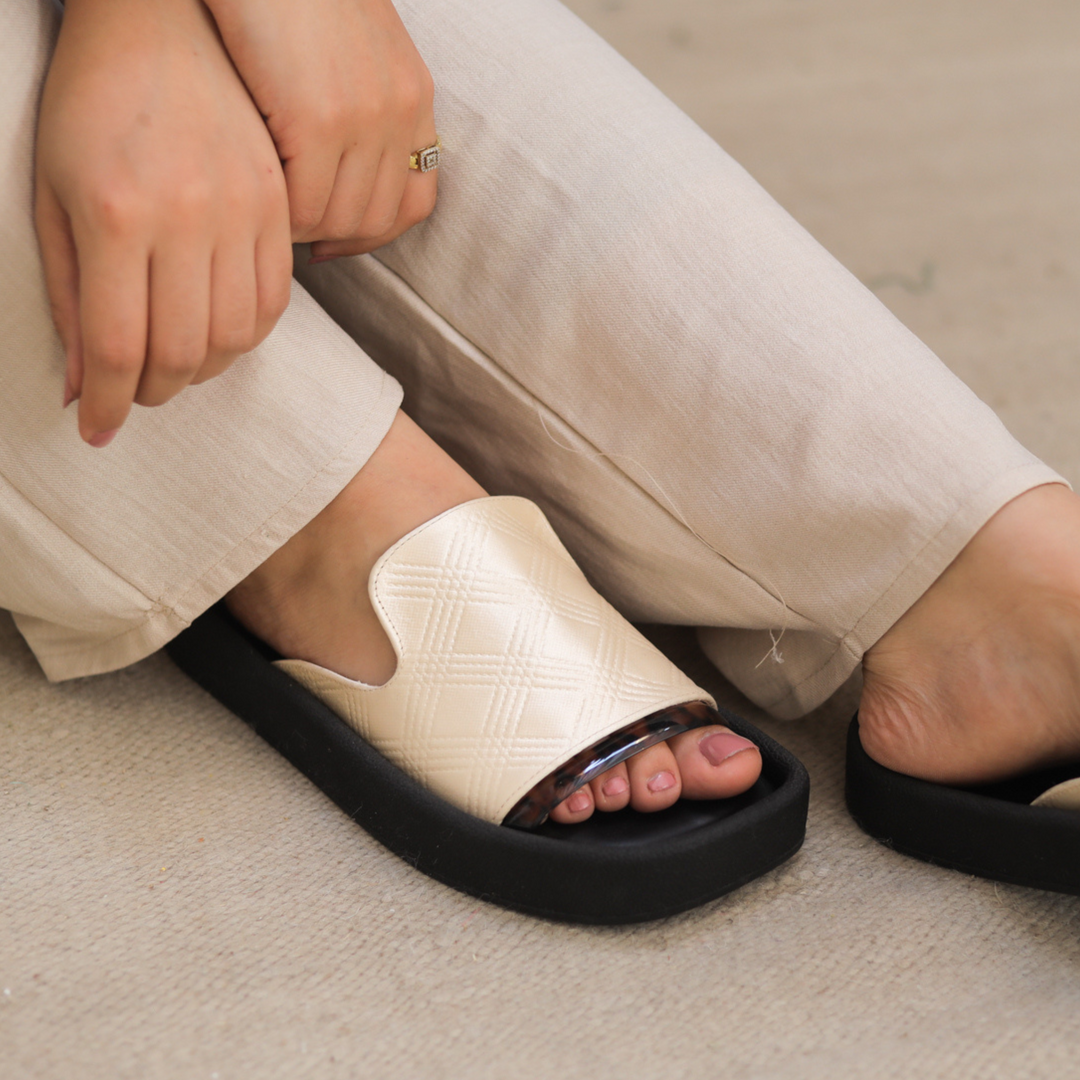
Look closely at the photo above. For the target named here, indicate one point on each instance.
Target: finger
(233, 304)
(273, 276)
(353, 187)
(309, 177)
(421, 190)
(416, 204)
(113, 314)
(61, 269)
(179, 319)
(381, 211)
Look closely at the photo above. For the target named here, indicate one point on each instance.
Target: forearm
(81, 15)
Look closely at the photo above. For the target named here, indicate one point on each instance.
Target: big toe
(704, 763)
(715, 763)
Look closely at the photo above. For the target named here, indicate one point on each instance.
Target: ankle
(309, 599)
(1033, 541)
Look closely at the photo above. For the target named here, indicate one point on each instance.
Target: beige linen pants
(605, 313)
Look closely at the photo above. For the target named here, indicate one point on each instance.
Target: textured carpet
(176, 901)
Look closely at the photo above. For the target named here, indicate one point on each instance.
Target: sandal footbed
(991, 830)
(615, 868)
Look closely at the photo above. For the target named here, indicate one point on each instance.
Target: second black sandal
(1024, 831)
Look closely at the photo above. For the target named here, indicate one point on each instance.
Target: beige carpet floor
(176, 901)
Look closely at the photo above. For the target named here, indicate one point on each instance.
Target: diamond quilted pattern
(509, 662)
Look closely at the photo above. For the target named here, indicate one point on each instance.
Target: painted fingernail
(321, 258)
(577, 802)
(614, 785)
(662, 781)
(721, 745)
(102, 438)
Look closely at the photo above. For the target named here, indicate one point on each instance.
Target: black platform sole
(990, 831)
(615, 868)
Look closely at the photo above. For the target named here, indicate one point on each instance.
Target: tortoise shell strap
(533, 808)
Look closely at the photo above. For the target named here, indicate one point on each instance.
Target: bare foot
(309, 601)
(980, 679)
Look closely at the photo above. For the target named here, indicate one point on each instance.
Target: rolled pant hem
(923, 570)
(78, 657)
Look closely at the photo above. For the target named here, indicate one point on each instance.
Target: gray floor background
(175, 901)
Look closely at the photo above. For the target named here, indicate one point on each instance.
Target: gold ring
(427, 159)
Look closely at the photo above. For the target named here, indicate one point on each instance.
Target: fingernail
(102, 438)
(321, 258)
(577, 802)
(662, 781)
(721, 745)
(69, 394)
(615, 785)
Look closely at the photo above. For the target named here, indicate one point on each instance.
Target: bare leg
(309, 601)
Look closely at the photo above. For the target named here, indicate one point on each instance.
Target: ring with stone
(427, 159)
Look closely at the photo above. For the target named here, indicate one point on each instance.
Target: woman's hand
(348, 100)
(161, 207)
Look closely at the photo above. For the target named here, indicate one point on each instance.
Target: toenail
(577, 802)
(721, 745)
(616, 785)
(662, 781)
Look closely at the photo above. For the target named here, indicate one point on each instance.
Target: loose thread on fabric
(775, 638)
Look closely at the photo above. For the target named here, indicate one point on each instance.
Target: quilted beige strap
(1064, 796)
(509, 662)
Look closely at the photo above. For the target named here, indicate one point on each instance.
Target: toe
(715, 763)
(654, 778)
(575, 809)
(611, 790)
